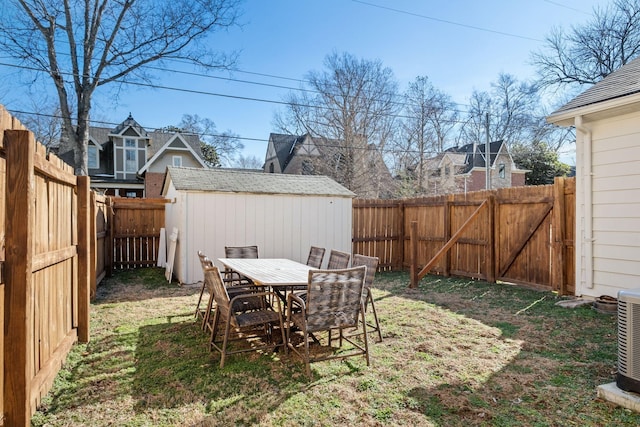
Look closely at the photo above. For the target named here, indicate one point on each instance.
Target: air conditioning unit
(628, 377)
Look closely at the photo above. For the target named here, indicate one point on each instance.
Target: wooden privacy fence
(520, 235)
(45, 227)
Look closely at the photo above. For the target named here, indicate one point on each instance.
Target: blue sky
(461, 45)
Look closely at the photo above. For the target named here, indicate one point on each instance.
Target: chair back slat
(334, 298)
(315, 257)
(338, 260)
(372, 266)
(241, 251)
(216, 287)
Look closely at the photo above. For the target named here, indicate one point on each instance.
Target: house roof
(283, 146)
(243, 181)
(129, 122)
(622, 83)
(160, 139)
(474, 154)
(170, 140)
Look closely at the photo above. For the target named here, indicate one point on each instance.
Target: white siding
(283, 226)
(615, 207)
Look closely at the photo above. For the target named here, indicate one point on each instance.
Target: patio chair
(338, 260)
(200, 312)
(315, 257)
(240, 306)
(372, 266)
(333, 301)
(251, 324)
(232, 278)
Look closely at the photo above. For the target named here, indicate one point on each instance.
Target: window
(93, 161)
(271, 169)
(130, 155)
(131, 194)
(501, 170)
(177, 161)
(446, 170)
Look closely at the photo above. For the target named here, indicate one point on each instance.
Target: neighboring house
(306, 155)
(283, 214)
(463, 169)
(130, 161)
(607, 121)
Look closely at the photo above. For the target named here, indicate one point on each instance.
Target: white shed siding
(615, 206)
(283, 226)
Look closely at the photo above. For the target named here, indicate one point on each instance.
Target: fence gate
(136, 231)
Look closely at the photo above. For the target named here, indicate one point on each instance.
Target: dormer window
(501, 170)
(130, 155)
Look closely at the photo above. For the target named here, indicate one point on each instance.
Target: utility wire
(384, 150)
(444, 21)
(202, 92)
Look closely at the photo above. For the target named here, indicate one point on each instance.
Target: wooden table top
(272, 272)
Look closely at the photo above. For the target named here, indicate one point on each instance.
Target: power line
(383, 150)
(444, 21)
(202, 92)
(555, 3)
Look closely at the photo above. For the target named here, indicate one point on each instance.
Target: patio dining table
(278, 273)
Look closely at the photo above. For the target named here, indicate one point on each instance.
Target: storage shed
(607, 122)
(284, 215)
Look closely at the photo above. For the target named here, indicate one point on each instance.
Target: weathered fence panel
(377, 230)
(46, 273)
(136, 231)
(521, 235)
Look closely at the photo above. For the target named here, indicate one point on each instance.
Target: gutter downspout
(587, 177)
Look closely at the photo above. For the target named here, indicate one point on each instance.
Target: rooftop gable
(129, 123)
(171, 144)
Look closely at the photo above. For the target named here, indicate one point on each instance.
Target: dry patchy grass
(455, 352)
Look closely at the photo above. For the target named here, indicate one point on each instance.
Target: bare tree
(430, 116)
(510, 111)
(247, 162)
(46, 125)
(588, 53)
(225, 145)
(347, 107)
(84, 44)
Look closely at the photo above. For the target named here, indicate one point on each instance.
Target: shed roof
(622, 82)
(243, 181)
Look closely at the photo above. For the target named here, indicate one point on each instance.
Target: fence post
(84, 263)
(558, 227)
(18, 309)
(413, 235)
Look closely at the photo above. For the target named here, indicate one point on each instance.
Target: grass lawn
(455, 352)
